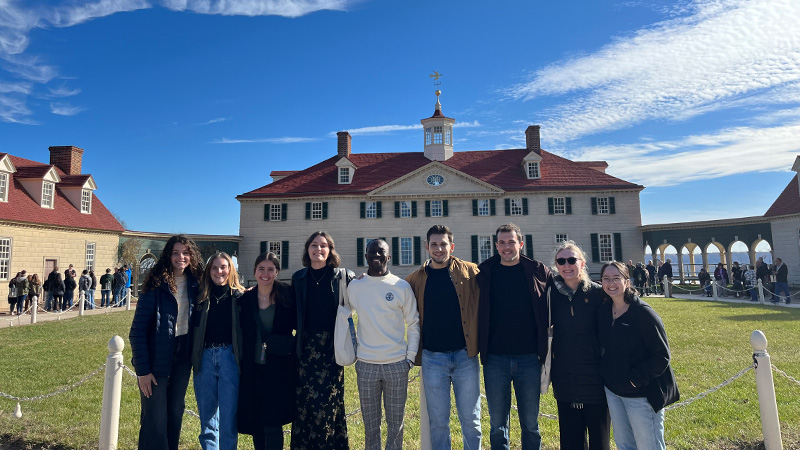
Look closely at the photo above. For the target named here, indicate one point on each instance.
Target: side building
(50, 217)
(784, 219)
(357, 197)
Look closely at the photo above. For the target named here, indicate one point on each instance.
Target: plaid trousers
(391, 382)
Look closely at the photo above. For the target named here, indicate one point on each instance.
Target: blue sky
(183, 104)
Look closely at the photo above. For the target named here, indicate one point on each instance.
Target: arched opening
(763, 250)
(740, 253)
(691, 259)
(648, 254)
(715, 254)
(668, 252)
(145, 265)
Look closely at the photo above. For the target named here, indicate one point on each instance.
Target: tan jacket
(464, 276)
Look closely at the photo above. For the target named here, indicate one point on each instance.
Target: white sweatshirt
(385, 307)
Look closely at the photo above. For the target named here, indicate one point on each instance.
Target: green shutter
(395, 250)
(324, 210)
(363, 210)
(308, 210)
(494, 244)
(618, 246)
(474, 207)
(414, 208)
(417, 252)
(492, 210)
(378, 212)
(594, 205)
(529, 246)
(508, 206)
(284, 207)
(612, 207)
(396, 210)
(524, 206)
(427, 208)
(475, 249)
(284, 254)
(550, 208)
(360, 252)
(595, 248)
(262, 248)
(266, 212)
(444, 208)
(568, 203)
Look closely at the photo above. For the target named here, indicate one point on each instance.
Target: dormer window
(344, 175)
(3, 187)
(86, 201)
(47, 194)
(532, 170)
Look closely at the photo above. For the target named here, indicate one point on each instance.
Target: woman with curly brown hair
(161, 342)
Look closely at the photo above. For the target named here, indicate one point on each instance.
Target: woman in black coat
(267, 387)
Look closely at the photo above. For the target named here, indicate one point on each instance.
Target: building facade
(50, 217)
(784, 218)
(357, 197)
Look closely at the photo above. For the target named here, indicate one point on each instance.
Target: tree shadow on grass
(8, 442)
(770, 313)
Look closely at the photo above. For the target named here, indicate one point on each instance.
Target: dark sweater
(442, 326)
(322, 306)
(512, 325)
(220, 323)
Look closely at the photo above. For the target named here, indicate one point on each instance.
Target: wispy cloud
(212, 121)
(723, 50)
(384, 129)
(280, 140)
(286, 8)
(703, 156)
(65, 109)
(63, 91)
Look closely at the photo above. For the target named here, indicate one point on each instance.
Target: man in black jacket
(782, 281)
(512, 336)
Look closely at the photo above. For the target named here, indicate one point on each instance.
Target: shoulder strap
(549, 311)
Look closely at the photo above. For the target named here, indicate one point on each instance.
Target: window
(483, 207)
(344, 175)
(559, 205)
(436, 208)
(516, 206)
(437, 135)
(90, 246)
(371, 211)
(275, 212)
(47, 194)
(447, 136)
(484, 248)
(406, 251)
(86, 201)
(316, 210)
(5, 257)
(275, 247)
(428, 136)
(405, 209)
(561, 238)
(602, 205)
(3, 187)
(532, 169)
(606, 243)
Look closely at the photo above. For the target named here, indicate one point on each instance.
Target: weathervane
(435, 75)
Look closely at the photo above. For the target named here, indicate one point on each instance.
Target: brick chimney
(67, 158)
(343, 146)
(532, 140)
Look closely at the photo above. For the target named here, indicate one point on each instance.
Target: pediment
(6, 165)
(436, 179)
(52, 175)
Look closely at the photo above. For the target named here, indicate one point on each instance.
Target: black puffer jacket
(153, 330)
(576, 351)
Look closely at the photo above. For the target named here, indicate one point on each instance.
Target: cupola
(438, 134)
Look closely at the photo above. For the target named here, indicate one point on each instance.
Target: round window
(435, 179)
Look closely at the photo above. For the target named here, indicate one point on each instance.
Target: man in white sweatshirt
(387, 314)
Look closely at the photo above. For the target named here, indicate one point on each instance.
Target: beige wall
(786, 246)
(345, 225)
(31, 246)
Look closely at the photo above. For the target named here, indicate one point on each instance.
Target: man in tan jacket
(447, 297)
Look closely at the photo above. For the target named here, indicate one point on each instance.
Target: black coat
(267, 391)
(576, 351)
(70, 284)
(152, 333)
(300, 291)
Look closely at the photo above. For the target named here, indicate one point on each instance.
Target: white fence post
(112, 391)
(424, 421)
(761, 292)
(127, 298)
(714, 289)
(770, 425)
(667, 287)
(34, 308)
(81, 300)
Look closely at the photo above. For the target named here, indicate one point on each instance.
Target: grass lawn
(710, 342)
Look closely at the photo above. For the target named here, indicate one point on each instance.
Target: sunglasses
(561, 261)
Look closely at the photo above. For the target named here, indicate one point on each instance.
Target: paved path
(7, 320)
(695, 293)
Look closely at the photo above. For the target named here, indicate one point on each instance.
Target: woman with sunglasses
(634, 363)
(577, 385)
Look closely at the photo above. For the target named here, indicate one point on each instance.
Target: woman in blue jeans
(216, 354)
(634, 364)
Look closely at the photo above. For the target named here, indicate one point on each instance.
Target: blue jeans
(439, 370)
(498, 374)
(67, 303)
(119, 300)
(89, 299)
(216, 387)
(20, 303)
(636, 425)
(105, 297)
(782, 287)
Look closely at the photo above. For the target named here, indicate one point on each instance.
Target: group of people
(745, 278)
(648, 279)
(266, 356)
(59, 292)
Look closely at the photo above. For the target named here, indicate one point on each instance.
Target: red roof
(282, 173)
(502, 168)
(21, 207)
(786, 203)
(74, 180)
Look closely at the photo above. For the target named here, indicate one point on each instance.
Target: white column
(770, 424)
(112, 391)
(424, 421)
(34, 308)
